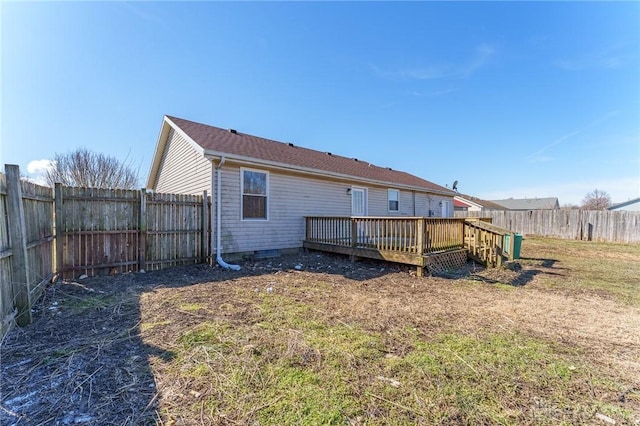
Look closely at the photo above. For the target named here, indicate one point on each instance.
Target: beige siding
(183, 170)
(290, 199)
(377, 202)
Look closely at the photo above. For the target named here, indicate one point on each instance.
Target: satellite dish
(455, 185)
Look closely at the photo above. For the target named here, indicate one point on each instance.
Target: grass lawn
(610, 269)
(316, 347)
(314, 339)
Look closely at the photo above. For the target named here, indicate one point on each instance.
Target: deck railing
(486, 242)
(414, 235)
(410, 237)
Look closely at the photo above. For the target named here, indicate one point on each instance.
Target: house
(631, 205)
(262, 189)
(468, 203)
(550, 203)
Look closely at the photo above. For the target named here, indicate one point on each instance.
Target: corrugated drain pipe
(218, 217)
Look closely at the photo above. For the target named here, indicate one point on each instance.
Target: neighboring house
(550, 203)
(467, 203)
(268, 187)
(631, 205)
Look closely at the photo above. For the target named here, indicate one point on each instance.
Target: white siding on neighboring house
(183, 169)
(628, 206)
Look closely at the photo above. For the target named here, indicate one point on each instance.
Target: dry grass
(394, 349)
(554, 341)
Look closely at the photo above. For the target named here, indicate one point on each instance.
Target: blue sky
(510, 99)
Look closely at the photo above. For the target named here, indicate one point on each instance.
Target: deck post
(420, 235)
(307, 231)
(512, 245)
(420, 226)
(354, 237)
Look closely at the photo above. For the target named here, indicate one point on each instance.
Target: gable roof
(529, 203)
(217, 142)
(624, 204)
(478, 202)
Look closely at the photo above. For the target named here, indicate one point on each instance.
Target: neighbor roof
(489, 205)
(528, 203)
(216, 141)
(624, 204)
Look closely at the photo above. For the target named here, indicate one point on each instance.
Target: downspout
(218, 217)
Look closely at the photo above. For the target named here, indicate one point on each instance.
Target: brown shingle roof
(214, 139)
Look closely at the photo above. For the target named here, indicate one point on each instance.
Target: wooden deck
(420, 241)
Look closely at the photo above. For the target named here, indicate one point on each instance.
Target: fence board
(108, 231)
(174, 230)
(98, 231)
(38, 211)
(6, 287)
(588, 225)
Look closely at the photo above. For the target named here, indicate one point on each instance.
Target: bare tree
(596, 200)
(89, 169)
(570, 206)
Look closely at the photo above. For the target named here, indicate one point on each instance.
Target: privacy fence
(588, 225)
(70, 232)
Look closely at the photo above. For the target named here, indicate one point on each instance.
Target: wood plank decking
(420, 241)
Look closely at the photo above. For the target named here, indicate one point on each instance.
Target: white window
(254, 185)
(394, 200)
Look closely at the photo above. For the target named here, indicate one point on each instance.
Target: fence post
(205, 227)
(57, 206)
(142, 230)
(17, 234)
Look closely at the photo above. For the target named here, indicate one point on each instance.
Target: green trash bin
(516, 246)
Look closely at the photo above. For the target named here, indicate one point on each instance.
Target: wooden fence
(26, 246)
(97, 231)
(588, 225)
(110, 231)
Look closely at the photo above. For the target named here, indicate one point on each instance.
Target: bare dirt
(86, 358)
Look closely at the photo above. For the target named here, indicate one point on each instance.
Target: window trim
(242, 194)
(389, 191)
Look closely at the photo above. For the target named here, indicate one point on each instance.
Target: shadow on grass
(523, 271)
(84, 360)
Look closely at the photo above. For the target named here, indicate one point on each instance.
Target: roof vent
(328, 153)
(389, 168)
(234, 131)
(355, 159)
(290, 144)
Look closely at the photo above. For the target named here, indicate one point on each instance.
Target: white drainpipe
(218, 217)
